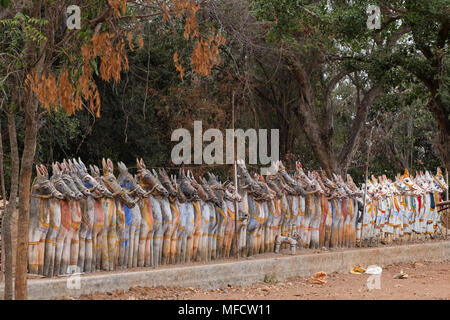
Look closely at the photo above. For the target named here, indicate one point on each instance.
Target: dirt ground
(425, 280)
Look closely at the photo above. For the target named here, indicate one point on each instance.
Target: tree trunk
(2, 177)
(9, 210)
(442, 117)
(29, 149)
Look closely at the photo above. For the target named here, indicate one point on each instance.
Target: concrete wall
(243, 272)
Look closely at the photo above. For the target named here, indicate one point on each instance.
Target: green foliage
(28, 26)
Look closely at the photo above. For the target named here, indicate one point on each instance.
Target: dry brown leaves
(319, 278)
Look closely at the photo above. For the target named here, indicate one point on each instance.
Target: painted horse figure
(114, 252)
(162, 216)
(42, 203)
(255, 194)
(174, 202)
(68, 236)
(210, 225)
(84, 258)
(232, 199)
(91, 226)
(205, 211)
(55, 221)
(133, 216)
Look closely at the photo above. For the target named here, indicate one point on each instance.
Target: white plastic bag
(374, 270)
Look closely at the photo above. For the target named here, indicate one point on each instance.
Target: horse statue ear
(138, 165)
(77, 166)
(154, 172)
(44, 170)
(55, 168)
(143, 164)
(122, 167)
(60, 166)
(70, 166)
(439, 172)
(81, 163)
(91, 168)
(105, 166)
(110, 165)
(39, 171)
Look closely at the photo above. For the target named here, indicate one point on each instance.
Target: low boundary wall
(239, 272)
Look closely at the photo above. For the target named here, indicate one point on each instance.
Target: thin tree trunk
(2, 173)
(2, 178)
(442, 117)
(29, 149)
(9, 210)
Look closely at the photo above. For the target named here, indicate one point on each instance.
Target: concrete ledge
(213, 276)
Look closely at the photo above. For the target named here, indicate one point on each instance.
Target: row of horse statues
(97, 221)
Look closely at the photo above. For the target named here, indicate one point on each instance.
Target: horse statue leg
(167, 230)
(158, 230)
(63, 235)
(196, 234)
(267, 226)
(37, 210)
(212, 234)
(252, 226)
(190, 224)
(112, 235)
(122, 232)
(259, 230)
(97, 234)
(328, 223)
(87, 224)
(76, 224)
(323, 217)
(108, 211)
(145, 250)
(315, 222)
(50, 242)
(175, 224)
(181, 234)
(204, 231)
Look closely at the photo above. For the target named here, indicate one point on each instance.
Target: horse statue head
(422, 183)
(201, 192)
(409, 182)
(186, 187)
(439, 179)
(128, 182)
(217, 188)
(293, 183)
(230, 192)
(43, 186)
(112, 185)
(351, 184)
(149, 181)
(68, 180)
(212, 197)
(268, 193)
(73, 172)
(95, 173)
(167, 184)
(96, 189)
(57, 180)
(434, 185)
